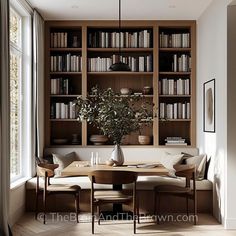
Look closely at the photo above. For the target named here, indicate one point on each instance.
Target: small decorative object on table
(114, 116)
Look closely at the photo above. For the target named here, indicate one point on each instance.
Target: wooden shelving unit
(82, 81)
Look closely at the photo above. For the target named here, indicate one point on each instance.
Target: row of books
(61, 40)
(175, 111)
(181, 63)
(66, 63)
(175, 141)
(102, 64)
(102, 39)
(174, 86)
(60, 86)
(63, 110)
(174, 40)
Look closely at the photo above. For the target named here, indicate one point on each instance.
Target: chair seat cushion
(171, 189)
(111, 195)
(63, 188)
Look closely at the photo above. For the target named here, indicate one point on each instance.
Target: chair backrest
(113, 177)
(46, 170)
(187, 171)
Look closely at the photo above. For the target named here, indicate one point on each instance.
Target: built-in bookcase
(176, 85)
(161, 55)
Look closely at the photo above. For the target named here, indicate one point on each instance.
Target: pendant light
(120, 66)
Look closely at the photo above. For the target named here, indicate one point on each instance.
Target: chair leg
(36, 205)
(187, 205)
(137, 209)
(44, 206)
(92, 210)
(99, 212)
(195, 209)
(77, 207)
(134, 216)
(158, 207)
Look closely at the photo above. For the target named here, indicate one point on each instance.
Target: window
(20, 89)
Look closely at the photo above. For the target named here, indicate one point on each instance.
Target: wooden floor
(59, 225)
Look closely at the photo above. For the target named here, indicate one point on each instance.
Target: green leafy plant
(114, 115)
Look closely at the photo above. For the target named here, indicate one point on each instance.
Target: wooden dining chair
(110, 177)
(187, 171)
(46, 171)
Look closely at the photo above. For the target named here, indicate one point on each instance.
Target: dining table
(84, 168)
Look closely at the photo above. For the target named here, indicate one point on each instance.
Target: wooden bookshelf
(80, 82)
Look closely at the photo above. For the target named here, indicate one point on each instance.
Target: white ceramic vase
(117, 156)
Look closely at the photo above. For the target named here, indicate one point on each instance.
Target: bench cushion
(143, 182)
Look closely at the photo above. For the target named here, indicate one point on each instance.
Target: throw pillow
(170, 160)
(63, 161)
(200, 162)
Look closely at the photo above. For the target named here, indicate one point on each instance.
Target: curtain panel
(38, 84)
(4, 117)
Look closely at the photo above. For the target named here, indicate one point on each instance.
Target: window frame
(24, 49)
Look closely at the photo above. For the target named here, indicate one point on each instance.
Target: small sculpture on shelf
(114, 116)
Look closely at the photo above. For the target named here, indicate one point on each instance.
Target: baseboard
(230, 223)
(16, 215)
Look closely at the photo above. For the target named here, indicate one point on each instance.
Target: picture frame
(209, 106)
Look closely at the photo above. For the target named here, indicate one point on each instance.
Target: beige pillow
(170, 160)
(63, 161)
(200, 162)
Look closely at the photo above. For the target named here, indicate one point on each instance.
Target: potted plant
(114, 115)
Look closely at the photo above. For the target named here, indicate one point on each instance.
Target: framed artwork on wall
(209, 106)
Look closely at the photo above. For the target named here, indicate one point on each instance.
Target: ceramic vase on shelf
(117, 156)
(144, 139)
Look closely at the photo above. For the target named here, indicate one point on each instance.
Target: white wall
(212, 63)
(230, 221)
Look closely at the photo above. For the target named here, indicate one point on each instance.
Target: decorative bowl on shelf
(60, 140)
(144, 139)
(147, 90)
(125, 91)
(98, 139)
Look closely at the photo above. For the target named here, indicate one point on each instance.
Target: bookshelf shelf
(122, 49)
(65, 73)
(145, 48)
(175, 73)
(175, 49)
(63, 120)
(65, 96)
(120, 73)
(176, 120)
(65, 49)
(174, 96)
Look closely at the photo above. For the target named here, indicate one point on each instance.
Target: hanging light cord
(120, 29)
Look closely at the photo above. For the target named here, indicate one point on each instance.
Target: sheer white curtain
(38, 83)
(4, 117)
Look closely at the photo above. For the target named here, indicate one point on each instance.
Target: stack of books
(59, 40)
(174, 86)
(63, 110)
(66, 63)
(175, 141)
(181, 63)
(175, 110)
(60, 86)
(102, 39)
(174, 40)
(102, 64)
